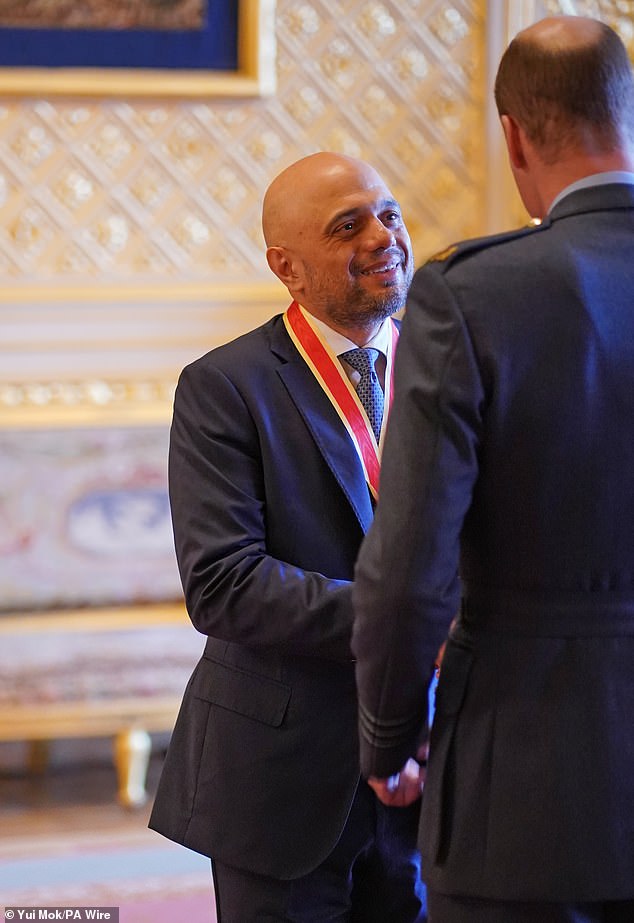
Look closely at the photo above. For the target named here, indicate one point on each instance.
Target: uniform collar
(595, 179)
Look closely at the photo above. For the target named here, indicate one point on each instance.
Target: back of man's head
(568, 82)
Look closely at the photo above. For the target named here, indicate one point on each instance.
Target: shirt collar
(341, 344)
(595, 179)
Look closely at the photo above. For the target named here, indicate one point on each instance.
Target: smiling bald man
(274, 455)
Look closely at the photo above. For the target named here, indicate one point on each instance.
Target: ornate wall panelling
(120, 218)
(130, 236)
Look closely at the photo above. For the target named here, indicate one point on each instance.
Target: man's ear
(281, 264)
(515, 142)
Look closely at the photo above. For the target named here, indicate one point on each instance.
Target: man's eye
(393, 217)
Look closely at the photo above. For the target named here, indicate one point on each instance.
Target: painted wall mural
(84, 518)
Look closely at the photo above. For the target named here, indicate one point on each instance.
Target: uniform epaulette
(449, 255)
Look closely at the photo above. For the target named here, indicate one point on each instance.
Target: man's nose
(380, 237)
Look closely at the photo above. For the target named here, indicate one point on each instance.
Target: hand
(401, 789)
(439, 659)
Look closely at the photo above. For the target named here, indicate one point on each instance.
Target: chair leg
(132, 749)
(37, 758)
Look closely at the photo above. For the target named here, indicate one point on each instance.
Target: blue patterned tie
(369, 389)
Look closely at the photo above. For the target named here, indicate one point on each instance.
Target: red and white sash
(330, 374)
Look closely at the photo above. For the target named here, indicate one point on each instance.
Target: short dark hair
(556, 93)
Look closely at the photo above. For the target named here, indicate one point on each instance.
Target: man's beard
(356, 307)
(362, 309)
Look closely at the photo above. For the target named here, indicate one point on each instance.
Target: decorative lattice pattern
(111, 191)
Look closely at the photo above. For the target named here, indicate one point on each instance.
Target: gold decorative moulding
(91, 402)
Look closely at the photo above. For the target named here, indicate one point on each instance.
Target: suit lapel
(324, 425)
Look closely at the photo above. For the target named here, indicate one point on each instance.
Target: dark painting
(104, 14)
(158, 34)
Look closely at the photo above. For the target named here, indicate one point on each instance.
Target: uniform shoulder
(445, 259)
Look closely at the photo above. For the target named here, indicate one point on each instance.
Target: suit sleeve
(406, 583)
(235, 591)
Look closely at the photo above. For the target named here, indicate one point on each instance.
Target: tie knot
(362, 359)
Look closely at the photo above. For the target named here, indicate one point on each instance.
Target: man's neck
(575, 168)
(359, 334)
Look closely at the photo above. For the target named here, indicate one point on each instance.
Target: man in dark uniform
(507, 493)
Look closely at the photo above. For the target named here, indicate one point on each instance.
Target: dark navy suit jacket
(507, 492)
(269, 506)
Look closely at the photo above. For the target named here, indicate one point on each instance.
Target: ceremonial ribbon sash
(331, 375)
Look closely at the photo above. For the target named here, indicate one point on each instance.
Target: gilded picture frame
(254, 74)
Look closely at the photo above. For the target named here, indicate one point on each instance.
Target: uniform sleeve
(234, 590)
(407, 587)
